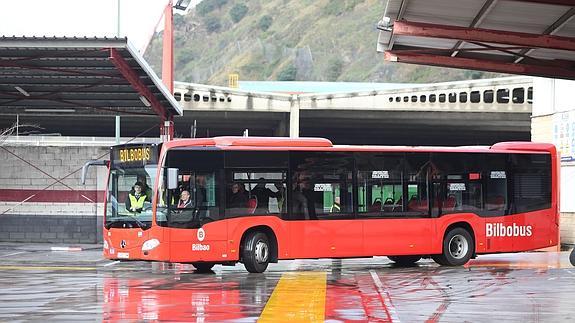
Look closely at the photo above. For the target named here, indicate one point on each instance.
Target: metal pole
(17, 123)
(117, 130)
(118, 21)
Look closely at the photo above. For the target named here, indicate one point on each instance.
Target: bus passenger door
(196, 234)
(324, 224)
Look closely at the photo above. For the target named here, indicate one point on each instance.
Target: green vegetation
(213, 24)
(303, 40)
(265, 22)
(207, 6)
(288, 73)
(238, 12)
(334, 69)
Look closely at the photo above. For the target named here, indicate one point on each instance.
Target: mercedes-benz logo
(123, 244)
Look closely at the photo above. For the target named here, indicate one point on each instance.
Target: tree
(334, 69)
(238, 12)
(288, 73)
(205, 7)
(265, 22)
(213, 24)
(23, 129)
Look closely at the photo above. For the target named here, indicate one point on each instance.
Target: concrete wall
(41, 197)
(553, 121)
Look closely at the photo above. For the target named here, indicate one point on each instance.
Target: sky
(82, 18)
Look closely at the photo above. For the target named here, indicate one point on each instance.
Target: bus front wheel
(458, 247)
(256, 252)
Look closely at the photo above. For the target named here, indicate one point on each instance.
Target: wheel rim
(458, 246)
(261, 252)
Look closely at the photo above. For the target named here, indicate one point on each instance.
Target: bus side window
(322, 186)
(255, 192)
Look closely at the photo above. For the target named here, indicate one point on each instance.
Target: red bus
(258, 200)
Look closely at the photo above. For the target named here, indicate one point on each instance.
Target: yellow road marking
(45, 268)
(297, 297)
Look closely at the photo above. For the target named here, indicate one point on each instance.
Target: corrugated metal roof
(79, 75)
(531, 37)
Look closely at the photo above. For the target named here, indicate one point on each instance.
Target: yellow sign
(233, 80)
(135, 154)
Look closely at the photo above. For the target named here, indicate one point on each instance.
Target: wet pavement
(38, 284)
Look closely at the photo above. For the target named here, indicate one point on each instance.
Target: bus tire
(458, 248)
(404, 261)
(572, 257)
(256, 252)
(203, 267)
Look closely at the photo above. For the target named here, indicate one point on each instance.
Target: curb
(66, 249)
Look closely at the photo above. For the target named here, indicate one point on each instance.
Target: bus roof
(321, 144)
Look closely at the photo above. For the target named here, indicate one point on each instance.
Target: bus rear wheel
(404, 260)
(256, 252)
(458, 247)
(203, 267)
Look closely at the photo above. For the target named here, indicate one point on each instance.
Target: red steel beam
(482, 65)
(168, 48)
(420, 29)
(135, 81)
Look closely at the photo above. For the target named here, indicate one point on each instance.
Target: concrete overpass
(452, 113)
(456, 113)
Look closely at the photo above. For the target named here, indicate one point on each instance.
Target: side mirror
(92, 163)
(172, 178)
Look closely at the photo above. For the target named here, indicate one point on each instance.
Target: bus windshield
(129, 197)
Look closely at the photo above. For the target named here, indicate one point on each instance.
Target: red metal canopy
(83, 76)
(529, 37)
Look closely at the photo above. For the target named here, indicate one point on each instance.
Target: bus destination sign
(134, 156)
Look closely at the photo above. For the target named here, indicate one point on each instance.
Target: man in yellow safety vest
(136, 198)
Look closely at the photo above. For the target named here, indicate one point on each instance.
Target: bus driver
(136, 199)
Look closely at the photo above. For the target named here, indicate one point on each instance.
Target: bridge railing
(510, 94)
(204, 97)
(513, 94)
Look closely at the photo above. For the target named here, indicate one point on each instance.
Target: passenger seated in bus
(252, 204)
(388, 204)
(185, 201)
(263, 195)
(376, 205)
(238, 197)
(136, 198)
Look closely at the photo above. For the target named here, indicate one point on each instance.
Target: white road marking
(13, 254)
(385, 296)
(111, 264)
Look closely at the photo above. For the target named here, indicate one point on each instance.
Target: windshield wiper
(126, 219)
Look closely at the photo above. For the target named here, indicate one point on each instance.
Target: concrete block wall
(41, 197)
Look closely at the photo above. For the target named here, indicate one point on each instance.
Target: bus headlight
(150, 244)
(106, 246)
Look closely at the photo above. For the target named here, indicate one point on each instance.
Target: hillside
(304, 40)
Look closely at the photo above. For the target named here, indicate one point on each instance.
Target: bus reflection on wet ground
(505, 287)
